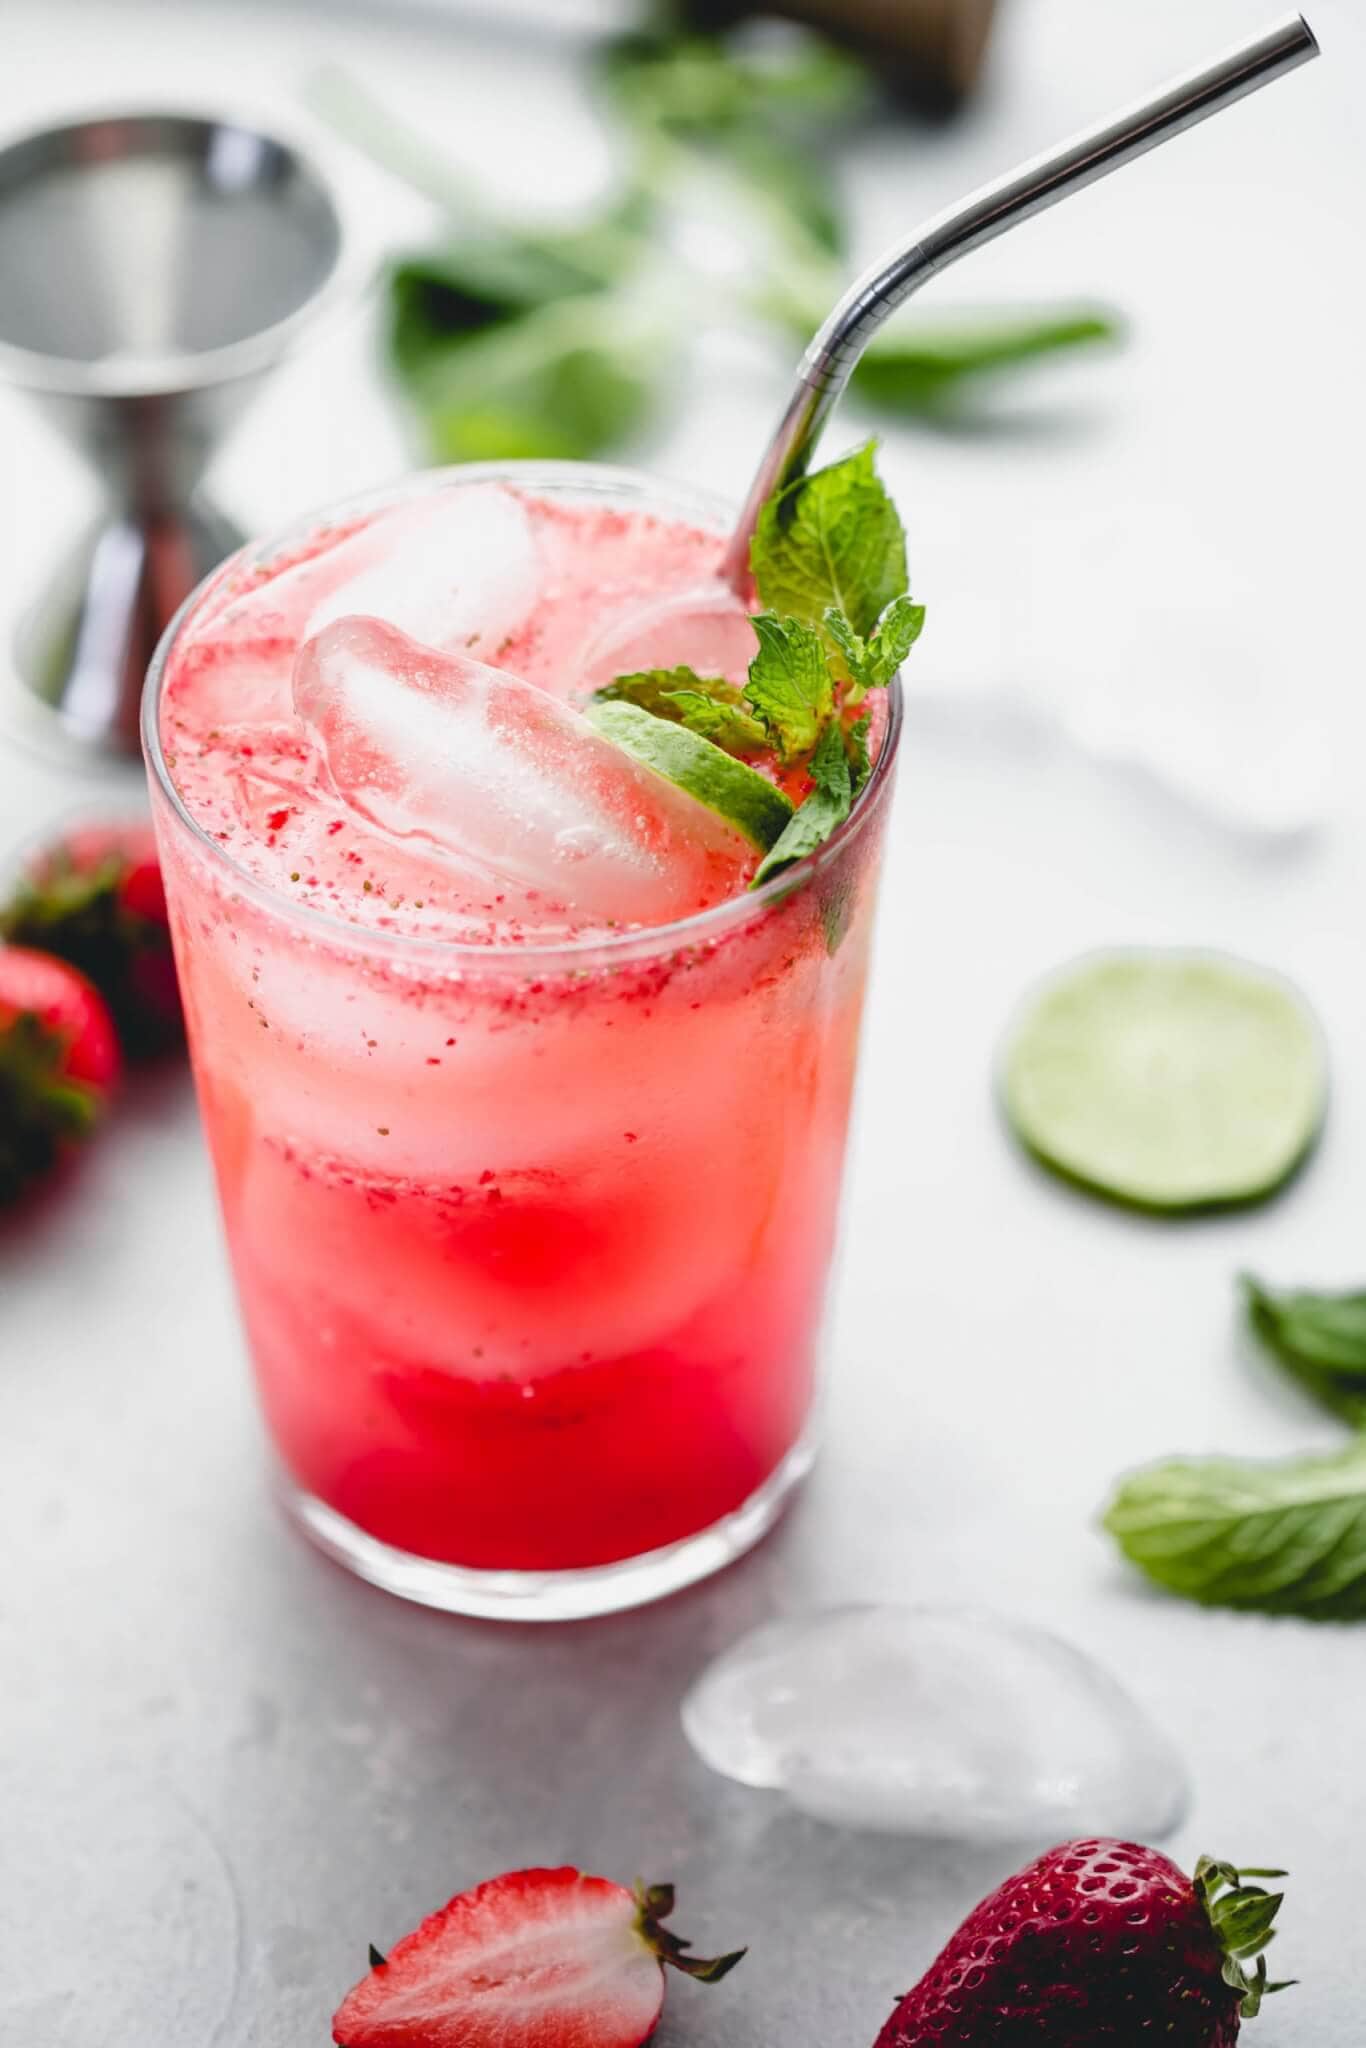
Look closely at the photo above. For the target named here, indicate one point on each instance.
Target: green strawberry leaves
(1240, 1917)
(654, 1905)
(41, 1110)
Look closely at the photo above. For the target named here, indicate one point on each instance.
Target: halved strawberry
(94, 897)
(534, 1959)
(59, 1059)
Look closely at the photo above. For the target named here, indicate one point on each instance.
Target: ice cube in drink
(509, 781)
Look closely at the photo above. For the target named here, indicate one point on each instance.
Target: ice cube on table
(941, 1722)
(706, 629)
(499, 776)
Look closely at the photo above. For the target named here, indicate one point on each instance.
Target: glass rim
(699, 927)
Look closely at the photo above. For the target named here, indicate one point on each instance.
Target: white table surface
(223, 1766)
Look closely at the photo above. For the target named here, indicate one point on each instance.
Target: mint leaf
(925, 371)
(831, 539)
(856, 746)
(704, 85)
(1320, 1340)
(871, 664)
(1285, 1538)
(709, 705)
(569, 380)
(473, 282)
(791, 690)
(827, 806)
(726, 725)
(791, 177)
(758, 113)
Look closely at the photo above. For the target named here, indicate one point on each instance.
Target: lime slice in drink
(735, 792)
(1167, 1081)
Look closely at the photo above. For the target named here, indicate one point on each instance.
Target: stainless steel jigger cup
(153, 267)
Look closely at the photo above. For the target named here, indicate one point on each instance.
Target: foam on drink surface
(390, 805)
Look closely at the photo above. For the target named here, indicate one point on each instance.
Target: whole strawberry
(1097, 1943)
(59, 1059)
(94, 897)
(533, 1959)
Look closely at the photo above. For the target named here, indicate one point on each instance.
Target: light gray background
(225, 1767)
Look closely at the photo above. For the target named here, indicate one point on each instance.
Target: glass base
(550, 1596)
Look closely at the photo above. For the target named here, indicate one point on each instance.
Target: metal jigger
(153, 267)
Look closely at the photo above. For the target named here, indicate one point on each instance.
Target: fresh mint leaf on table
(1287, 1537)
(809, 674)
(1319, 1339)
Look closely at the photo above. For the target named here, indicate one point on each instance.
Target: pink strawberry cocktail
(528, 1118)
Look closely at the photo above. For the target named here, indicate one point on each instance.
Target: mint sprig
(1319, 1339)
(831, 540)
(815, 665)
(1287, 1537)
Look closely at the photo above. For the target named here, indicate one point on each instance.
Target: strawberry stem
(1240, 1917)
(654, 1904)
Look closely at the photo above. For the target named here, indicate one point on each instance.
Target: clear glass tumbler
(531, 1242)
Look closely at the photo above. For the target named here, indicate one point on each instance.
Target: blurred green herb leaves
(514, 340)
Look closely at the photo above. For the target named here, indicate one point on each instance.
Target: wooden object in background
(932, 52)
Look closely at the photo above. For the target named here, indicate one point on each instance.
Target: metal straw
(829, 362)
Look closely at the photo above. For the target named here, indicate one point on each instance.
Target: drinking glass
(531, 1241)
